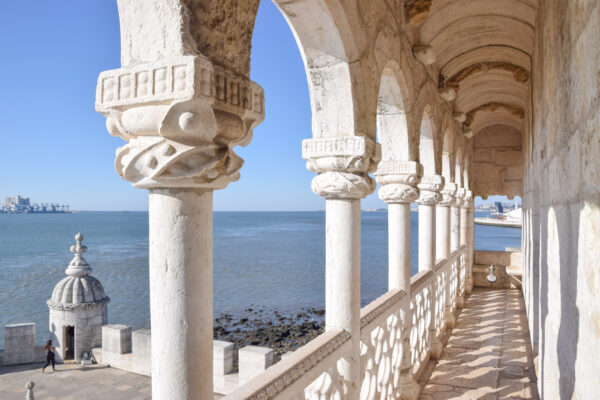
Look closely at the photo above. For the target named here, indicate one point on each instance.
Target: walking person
(49, 355)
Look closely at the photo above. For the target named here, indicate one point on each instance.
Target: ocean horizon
(273, 260)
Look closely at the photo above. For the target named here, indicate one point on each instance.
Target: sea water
(273, 260)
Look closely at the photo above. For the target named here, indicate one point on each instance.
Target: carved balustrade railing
(381, 324)
(312, 372)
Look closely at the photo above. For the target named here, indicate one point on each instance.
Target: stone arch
(392, 126)
(427, 142)
(328, 48)
(447, 152)
(458, 159)
(466, 172)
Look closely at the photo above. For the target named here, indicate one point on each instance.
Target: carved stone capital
(430, 188)
(398, 180)
(458, 197)
(342, 185)
(181, 118)
(343, 165)
(448, 192)
(467, 199)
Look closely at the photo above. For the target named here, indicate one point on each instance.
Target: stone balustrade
(313, 371)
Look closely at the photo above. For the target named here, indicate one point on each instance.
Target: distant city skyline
(55, 147)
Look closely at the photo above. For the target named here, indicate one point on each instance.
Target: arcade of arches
(438, 101)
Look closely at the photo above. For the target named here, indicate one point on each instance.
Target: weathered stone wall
(497, 161)
(508, 267)
(562, 200)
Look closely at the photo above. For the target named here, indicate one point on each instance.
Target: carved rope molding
(398, 180)
(343, 165)
(430, 187)
(181, 117)
(297, 371)
(373, 314)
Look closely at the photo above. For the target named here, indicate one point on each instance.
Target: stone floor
(488, 353)
(71, 381)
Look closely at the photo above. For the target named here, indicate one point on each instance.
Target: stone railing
(312, 372)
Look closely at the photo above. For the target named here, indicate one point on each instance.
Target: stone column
(442, 216)
(470, 239)
(442, 246)
(343, 165)
(429, 196)
(455, 242)
(398, 182)
(180, 129)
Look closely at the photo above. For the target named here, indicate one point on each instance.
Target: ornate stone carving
(341, 185)
(430, 187)
(467, 199)
(181, 117)
(398, 180)
(458, 197)
(285, 380)
(343, 165)
(448, 192)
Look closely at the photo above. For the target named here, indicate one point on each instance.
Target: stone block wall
(19, 345)
(88, 329)
(561, 201)
(507, 269)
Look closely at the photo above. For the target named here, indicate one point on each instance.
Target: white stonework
(78, 309)
(19, 343)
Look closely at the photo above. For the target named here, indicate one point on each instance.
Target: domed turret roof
(78, 289)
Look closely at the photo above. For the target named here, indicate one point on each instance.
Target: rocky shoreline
(260, 327)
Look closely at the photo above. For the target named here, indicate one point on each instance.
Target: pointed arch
(392, 127)
(427, 142)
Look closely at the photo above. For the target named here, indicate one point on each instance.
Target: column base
(460, 301)
(469, 286)
(450, 319)
(409, 389)
(435, 347)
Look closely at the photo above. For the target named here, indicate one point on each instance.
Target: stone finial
(77, 248)
(78, 265)
(29, 386)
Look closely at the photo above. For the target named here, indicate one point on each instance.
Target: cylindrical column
(426, 237)
(463, 226)
(398, 189)
(181, 293)
(342, 278)
(442, 232)
(399, 246)
(454, 228)
(342, 190)
(429, 197)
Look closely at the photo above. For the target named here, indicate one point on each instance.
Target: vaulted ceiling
(483, 50)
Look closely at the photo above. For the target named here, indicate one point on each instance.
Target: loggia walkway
(488, 353)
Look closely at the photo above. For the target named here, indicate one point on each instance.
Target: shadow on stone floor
(487, 354)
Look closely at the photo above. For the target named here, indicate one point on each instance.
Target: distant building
(17, 202)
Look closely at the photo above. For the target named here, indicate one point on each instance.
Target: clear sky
(55, 147)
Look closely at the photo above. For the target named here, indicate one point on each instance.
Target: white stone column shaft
(342, 190)
(463, 226)
(430, 187)
(181, 293)
(442, 232)
(342, 278)
(454, 228)
(398, 182)
(399, 246)
(426, 237)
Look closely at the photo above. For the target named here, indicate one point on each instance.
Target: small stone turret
(78, 309)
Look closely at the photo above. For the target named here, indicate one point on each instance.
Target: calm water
(270, 259)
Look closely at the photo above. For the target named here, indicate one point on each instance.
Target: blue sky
(55, 147)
